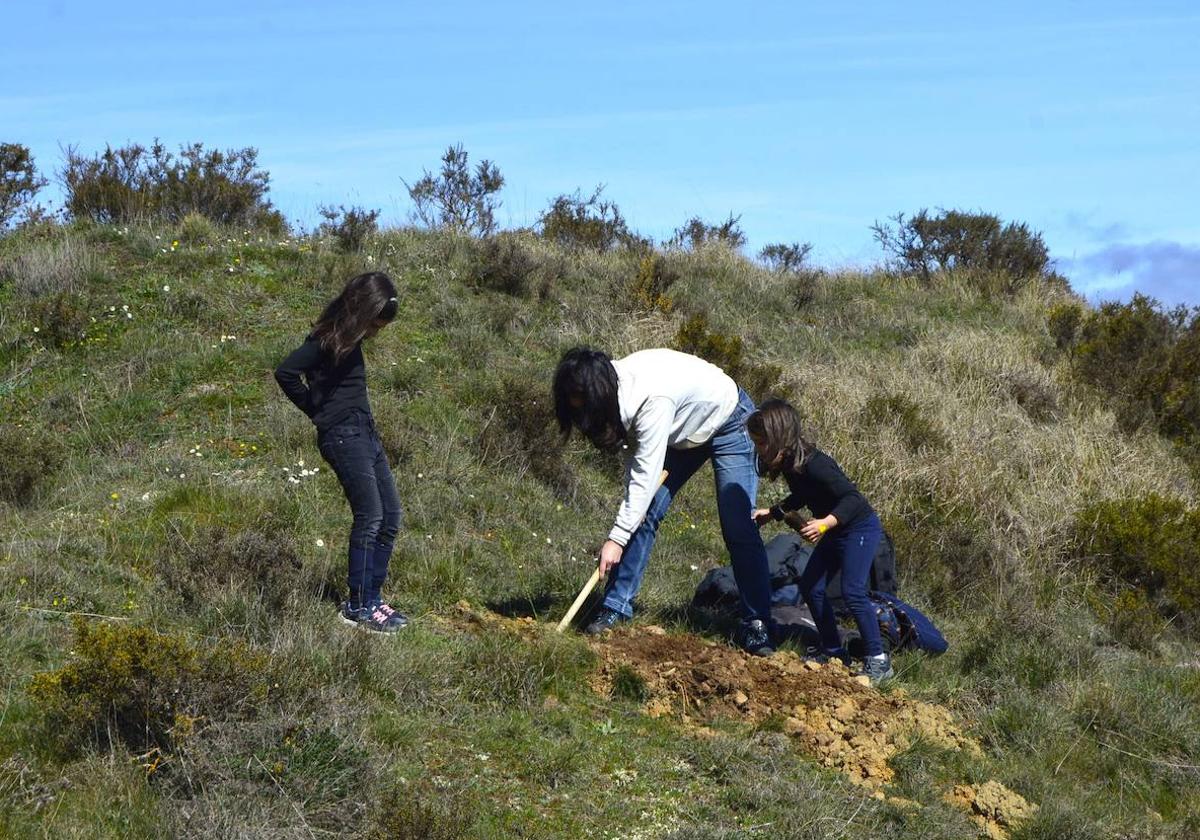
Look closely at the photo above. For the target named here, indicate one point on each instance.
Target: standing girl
(844, 527)
(327, 379)
(675, 411)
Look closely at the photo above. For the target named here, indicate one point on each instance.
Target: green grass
(445, 732)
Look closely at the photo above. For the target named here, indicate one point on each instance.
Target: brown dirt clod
(993, 807)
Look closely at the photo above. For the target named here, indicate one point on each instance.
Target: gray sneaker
(877, 670)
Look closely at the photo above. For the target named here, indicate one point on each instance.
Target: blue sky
(809, 120)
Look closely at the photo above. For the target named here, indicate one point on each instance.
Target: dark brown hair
(366, 299)
(777, 424)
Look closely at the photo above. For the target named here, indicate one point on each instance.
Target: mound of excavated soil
(829, 713)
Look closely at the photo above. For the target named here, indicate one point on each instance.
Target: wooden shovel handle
(590, 585)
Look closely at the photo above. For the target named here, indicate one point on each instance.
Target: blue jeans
(852, 549)
(736, 474)
(353, 449)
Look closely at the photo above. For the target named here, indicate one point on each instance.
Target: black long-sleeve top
(823, 488)
(326, 391)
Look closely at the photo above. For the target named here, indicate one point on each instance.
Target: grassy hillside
(171, 546)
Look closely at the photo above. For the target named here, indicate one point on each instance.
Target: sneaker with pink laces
(368, 617)
(396, 618)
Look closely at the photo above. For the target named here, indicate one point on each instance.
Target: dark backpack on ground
(903, 626)
(787, 557)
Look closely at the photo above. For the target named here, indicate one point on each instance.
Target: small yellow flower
(114, 496)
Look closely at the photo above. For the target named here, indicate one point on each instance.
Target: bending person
(326, 378)
(844, 527)
(673, 411)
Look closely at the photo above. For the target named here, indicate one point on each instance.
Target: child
(326, 378)
(675, 411)
(844, 527)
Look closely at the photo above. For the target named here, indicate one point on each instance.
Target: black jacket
(326, 391)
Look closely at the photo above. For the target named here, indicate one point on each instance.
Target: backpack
(904, 626)
(787, 556)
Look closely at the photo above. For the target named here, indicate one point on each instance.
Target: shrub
(19, 182)
(197, 229)
(1130, 617)
(958, 240)
(575, 222)
(57, 265)
(349, 228)
(457, 199)
(61, 320)
(648, 290)
(131, 685)
(507, 262)
(521, 436)
(696, 232)
(261, 560)
(728, 352)
(1146, 359)
(422, 812)
(785, 258)
(803, 286)
(31, 458)
(1150, 544)
(133, 183)
(1063, 321)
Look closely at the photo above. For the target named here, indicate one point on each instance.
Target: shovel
(590, 585)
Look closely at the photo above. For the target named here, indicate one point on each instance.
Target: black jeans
(353, 449)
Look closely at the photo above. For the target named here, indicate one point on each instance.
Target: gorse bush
(1146, 359)
(696, 233)
(1130, 616)
(1063, 321)
(728, 352)
(19, 183)
(923, 244)
(134, 686)
(133, 183)
(456, 197)
(32, 456)
(349, 228)
(1149, 543)
(572, 221)
(648, 290)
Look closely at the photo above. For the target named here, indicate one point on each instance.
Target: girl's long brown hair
(366, 299)
(777, 424)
